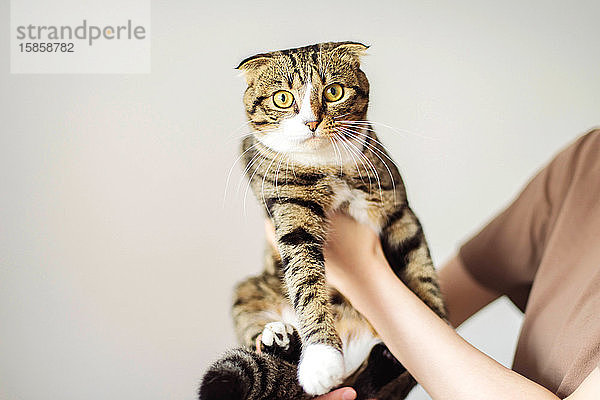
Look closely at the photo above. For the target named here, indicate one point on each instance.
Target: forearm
(442, 362)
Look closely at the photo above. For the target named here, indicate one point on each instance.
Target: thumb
(346, 393)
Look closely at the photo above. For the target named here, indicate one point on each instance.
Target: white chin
(304, 149)
(309, 149)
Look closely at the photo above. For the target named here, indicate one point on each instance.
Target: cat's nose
(312, 125)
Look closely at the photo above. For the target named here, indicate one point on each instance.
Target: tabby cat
(312, 152)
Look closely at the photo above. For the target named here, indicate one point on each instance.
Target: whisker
(397, 130)
(352, 154)
(337, 156)
(252, 177)
(372, 147)
(363, 138)
(229, 140)
(340, 116)
(247, 170)
(231, 170)
(357, 126)
(262, 186)
(337, 138)
(243, 125)
(371, 165)
(341, 158)
(361, 157)
(294, 170)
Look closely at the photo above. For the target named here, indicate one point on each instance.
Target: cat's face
(298, 100)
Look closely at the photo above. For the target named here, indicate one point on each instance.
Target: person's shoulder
(578, 163)
(591, 137)
(583, 150)
(587, 149)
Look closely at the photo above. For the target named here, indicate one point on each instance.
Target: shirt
(543, 252)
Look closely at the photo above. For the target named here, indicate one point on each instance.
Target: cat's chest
(356, 203)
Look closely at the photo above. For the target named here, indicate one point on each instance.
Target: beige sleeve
(505, 254)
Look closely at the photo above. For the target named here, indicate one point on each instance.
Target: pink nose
(312, 125)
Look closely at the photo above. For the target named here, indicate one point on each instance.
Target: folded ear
(254, 62)
(355, 48)
(251, 65)
(352, 50)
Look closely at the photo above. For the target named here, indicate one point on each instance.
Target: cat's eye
(283, 99)
(333, 92)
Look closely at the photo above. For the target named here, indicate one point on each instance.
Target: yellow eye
(334, 92)
(283, 99)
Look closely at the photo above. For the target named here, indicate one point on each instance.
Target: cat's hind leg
(263, 319)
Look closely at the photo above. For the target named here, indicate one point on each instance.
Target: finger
(270, 231)
(346, 393)
(258, 344)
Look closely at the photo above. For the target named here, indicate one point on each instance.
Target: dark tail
(242, 374)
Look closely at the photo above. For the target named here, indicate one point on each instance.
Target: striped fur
(340, 166)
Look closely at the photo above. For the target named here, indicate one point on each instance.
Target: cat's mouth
(323, 145)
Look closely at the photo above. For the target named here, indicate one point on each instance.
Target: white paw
(321, 368)
(277, 333)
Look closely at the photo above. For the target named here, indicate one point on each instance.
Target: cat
(312, 152)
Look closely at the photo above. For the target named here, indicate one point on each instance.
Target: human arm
(441, 361)
(503, 258)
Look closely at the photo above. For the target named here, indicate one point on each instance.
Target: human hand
(353, 256)
(345, 393)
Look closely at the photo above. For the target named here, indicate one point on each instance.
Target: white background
(117, 252)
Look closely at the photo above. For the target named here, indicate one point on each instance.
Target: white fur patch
(358, 206)
(321, 368)
(288, 315)
(306, 113)
(356, 349)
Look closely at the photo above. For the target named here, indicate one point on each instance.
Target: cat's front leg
(300, 232)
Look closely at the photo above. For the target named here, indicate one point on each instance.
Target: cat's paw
(277, 334)
(281, 339)
(321, 369)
